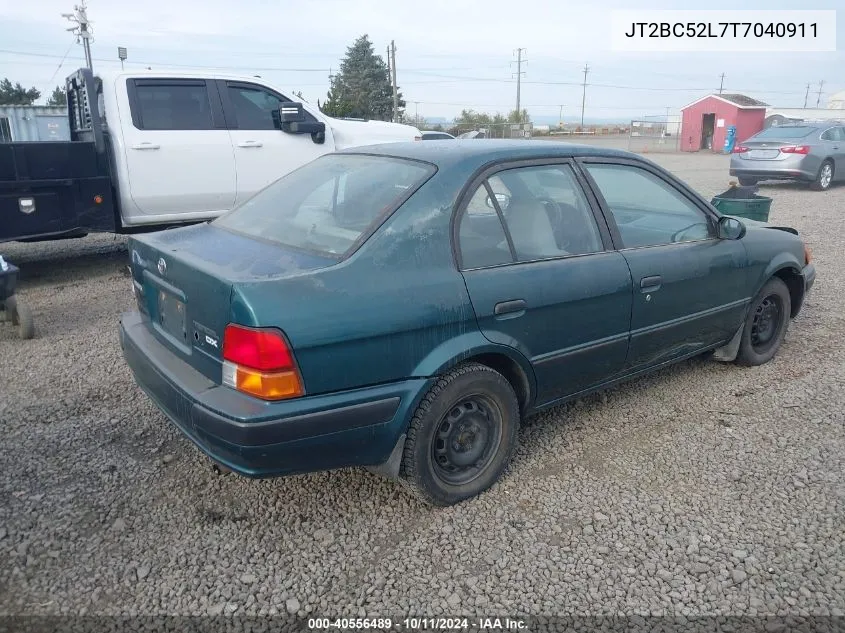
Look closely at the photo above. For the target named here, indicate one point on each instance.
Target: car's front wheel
(824, 177)
(766, 324)
(461, 436)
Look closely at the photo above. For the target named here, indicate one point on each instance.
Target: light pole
(82, 30)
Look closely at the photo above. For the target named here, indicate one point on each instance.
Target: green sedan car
(404, 307)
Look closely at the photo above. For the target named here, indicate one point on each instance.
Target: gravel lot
(703, 489)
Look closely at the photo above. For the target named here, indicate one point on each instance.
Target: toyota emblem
(162, 266)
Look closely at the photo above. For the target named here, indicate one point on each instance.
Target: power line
(420, 71)
(58, 68)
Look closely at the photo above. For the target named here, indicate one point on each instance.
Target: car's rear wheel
(824, 177)
(461, 436)
(766, 324)
(745, 181)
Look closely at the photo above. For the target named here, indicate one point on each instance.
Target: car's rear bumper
(261, 439)
(766, 172)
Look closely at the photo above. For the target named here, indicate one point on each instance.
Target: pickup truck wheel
(461, 436)
(824, 177)
(765, 325)
(747, 182)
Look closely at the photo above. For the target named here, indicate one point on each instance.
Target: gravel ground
(702, 489)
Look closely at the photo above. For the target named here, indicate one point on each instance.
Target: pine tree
(362, 88)
(16, 94)
(58, 98)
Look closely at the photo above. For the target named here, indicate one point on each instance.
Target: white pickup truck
(154, 149)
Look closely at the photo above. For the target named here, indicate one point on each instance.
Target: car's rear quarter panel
(379, 316)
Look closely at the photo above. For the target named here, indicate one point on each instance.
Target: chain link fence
(492, 130)
(654, 136)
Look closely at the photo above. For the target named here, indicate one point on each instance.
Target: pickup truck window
(330, 205)
(170, 105)
(254, 106)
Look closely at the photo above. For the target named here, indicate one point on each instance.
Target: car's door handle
(250, 144)
(515, 307)
(650, 284)
(146, 146)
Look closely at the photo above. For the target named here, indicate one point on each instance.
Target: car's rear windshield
(786, 131)
(327, 205)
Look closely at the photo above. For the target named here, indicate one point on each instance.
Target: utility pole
(82, 30)
(806, 95)
(560, 116)
(819, 98)
(519, 75)
(393, 75)
(584, 94)
(416, 111)
(721, 82)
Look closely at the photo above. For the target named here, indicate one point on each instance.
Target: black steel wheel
(766, 323)
(461, 436)
(466, 439)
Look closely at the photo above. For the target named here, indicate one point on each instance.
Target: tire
(765, 325)
(20, 317)
(824, 177)
(747, 182)
(471, 412)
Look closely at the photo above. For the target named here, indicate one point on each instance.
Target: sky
(451, 54)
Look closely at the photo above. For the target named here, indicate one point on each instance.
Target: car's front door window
(647, 210)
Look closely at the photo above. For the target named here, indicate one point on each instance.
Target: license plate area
(763, 154)
(171, 316)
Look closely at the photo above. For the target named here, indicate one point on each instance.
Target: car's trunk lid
(183, 280)
(769, 149)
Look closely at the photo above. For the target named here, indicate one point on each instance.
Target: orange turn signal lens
(265, 385)
(98, 199)
(808, 255)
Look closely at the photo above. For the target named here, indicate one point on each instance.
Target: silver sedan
(809, 152)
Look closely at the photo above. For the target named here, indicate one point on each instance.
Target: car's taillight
(739, 149)
(259, 361)
(796, 149)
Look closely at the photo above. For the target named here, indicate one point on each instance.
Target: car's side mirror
(292, 119)
(730, 228)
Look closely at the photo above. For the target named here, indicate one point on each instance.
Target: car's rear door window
(534, 213)
(329, 205)
(171, 105)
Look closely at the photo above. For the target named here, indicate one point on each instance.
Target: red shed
(705, 123)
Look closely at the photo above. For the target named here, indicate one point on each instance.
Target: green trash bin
(743, 202)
